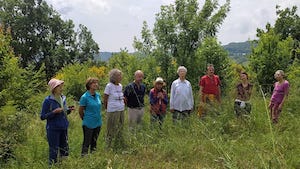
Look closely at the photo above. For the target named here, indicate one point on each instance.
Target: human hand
(71, 108)
(58, 110)
(160, 95)
(280, 107)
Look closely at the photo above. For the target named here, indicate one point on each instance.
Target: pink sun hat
(53, 83)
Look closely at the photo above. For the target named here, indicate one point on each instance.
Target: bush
(12, 130)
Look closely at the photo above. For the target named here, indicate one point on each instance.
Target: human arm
(126, 93)
(201, 88)
(200, 93)
(81, 111)
(152, 98)
(47, 110)
(105, 99)
(172, 97)
(286, 92)
(165, 97)
(219, 94)
(68, 109)
(191, 98)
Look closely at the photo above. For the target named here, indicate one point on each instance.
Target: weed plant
(215, 142)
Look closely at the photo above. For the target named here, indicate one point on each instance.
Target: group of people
(55, 109)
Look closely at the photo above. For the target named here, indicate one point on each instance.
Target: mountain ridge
(237, 51)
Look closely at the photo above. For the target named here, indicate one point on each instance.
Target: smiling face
(94, 85)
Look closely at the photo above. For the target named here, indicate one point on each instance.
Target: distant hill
(239, 50)
(103, 56)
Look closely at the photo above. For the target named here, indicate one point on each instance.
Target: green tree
(211, 52)
(88, 48)
(156, 58)
(127, 63)
(75, 75)
(147, 44)
(17, 84)
(288, 25)
(180, 29)
(40, 36)
(13, 95)
(269, 55)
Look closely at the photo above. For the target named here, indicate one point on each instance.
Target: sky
(114, 23)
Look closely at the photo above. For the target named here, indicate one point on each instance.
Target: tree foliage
(87, 47)
(269, 55)
(179, 30)
(147, 45)
(288, 25)
(277, 47)
(75, 75)
(14, 90)
(40, 36)
(211, 52)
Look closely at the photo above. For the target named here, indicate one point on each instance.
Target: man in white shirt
(181, 100)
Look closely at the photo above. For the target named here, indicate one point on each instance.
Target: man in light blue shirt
(181, 100)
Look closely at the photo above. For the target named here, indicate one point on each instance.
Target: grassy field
(218, 141)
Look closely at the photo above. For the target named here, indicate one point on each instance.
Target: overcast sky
(114, 23)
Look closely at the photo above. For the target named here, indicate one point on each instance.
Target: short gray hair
(181, 68)
(113, 75)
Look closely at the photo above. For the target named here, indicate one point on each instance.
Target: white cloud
(114, 23)
(87, 7)
(136, 11)
(246, 16)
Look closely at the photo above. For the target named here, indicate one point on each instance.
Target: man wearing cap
(158, 100)
(55, 111)
(134, 99)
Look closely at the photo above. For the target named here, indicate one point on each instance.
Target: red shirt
(210, 85)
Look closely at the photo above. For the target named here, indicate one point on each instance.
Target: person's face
(158, 86)
(119, 78)
(210, 71)
(243, 76)
(278, 76)
(182, 73)
(58, 89)
(94, 86)
(139, 78)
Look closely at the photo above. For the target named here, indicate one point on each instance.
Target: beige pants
(135, 116)
(115, 121)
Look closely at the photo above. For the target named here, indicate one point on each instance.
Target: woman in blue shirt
(90, 113)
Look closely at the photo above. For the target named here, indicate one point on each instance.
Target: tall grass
(218, 141)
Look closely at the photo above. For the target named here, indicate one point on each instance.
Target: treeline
(36, 44)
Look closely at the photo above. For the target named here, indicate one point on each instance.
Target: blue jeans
(58, 142)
